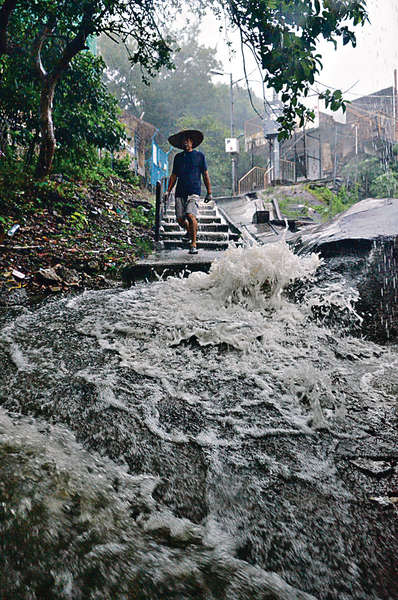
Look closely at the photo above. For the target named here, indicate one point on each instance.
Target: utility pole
(335, 158)
(233, 156)
(395, 107)
(320, 152)
(320, 142)
(231, 96)
(356, 139)
(305, 154)
(277, 174)
(231, 110)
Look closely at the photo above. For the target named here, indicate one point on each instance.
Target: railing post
(157, 210)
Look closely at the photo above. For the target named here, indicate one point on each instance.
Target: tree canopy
(49, 34)
(282, 34)
(84, 111)
(186, 90)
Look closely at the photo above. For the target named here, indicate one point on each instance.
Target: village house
(320, 149)
(139, 135)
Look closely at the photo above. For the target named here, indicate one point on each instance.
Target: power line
(246, 77)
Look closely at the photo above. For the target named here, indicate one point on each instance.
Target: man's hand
(209, 197)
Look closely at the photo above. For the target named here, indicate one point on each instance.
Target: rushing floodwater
(200, 438)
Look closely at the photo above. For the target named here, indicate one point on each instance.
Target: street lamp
(231, 96)
(231, 83)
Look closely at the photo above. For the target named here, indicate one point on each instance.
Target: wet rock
(357, 228)
(18, 275)
(385, 501)
(177, 532)
(362, 245)
(17, 297)
(375, 468)
(376, 449)
(93, 266)
(68, 276)
(48, 275)
(143, 203)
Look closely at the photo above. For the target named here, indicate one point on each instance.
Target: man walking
(188, 167)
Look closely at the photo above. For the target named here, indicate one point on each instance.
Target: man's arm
(206, 181)
(172, 180)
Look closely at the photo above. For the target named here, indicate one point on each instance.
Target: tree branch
(38, 45)
(76, 45)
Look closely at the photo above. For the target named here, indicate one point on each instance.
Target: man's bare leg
(184, 224)
(193, 228)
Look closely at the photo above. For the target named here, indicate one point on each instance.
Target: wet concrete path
(172, 256)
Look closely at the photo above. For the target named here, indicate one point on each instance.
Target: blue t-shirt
(188, 167)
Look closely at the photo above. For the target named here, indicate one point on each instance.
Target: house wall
(370, 128)
(139, 134)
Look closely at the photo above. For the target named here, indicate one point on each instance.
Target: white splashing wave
(228, 304)
(254, 276)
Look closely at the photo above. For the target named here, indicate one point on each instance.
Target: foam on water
(255, 276)
(89, 501)
(227, 400)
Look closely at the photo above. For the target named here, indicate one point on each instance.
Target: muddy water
(200, 438)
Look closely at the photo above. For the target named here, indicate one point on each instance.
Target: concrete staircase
(213, 232)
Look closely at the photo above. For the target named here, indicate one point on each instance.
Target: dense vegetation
(184, 98)
(40, 39)
(59, 119)
(362, 177)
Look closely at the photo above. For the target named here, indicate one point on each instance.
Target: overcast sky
(362, 70)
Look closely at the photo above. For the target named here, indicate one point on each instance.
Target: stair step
(169, 219)
(202, 227)
(202, 213)
(202, 235)
(204, 244)
(202, 206)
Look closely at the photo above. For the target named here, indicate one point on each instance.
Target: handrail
(256, 178)
(157, 210)
(248, 173)
(288, 170)
(160, 207)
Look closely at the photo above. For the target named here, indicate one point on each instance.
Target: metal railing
(160, 205)
(256, 179)
(288, 170)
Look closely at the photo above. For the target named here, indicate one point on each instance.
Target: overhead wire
(246, 77)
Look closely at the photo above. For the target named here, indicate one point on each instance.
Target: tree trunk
(3, 136)
(47, 143)
(48, 83)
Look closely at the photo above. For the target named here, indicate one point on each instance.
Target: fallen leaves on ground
(51, 252)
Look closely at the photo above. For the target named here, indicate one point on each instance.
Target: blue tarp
(158, 163)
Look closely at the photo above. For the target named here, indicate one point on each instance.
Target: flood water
(204, 437)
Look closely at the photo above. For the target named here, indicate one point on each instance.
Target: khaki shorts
(190, 206)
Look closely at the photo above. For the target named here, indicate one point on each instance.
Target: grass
(286, 201)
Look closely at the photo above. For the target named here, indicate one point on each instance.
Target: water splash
(244, 411)
(255, 276)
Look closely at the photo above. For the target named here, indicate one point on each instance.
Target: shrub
(141, 216)
(384, 186)
(121, 166)
(335, 203)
